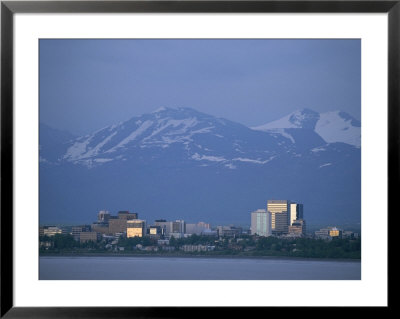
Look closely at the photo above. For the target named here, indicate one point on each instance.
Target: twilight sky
(88, 84)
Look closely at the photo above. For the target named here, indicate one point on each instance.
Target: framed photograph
(196, 154)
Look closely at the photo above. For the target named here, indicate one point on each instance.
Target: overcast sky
(88, 84)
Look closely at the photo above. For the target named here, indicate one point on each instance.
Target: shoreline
(122, 255)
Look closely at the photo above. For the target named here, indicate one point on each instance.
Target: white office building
(261, 223)
(296, 212)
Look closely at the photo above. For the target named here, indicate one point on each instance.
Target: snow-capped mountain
(198, 136)
(183, 164)
(336, 126)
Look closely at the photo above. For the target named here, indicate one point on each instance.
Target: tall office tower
(135, 228)
(280, 215)
(296, 212)
(261, 223)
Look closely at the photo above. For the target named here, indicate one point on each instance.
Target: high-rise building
(296, 212)
(261, 223)
(103, 216)
(280, 215)
(118, 224)
(135, 228)
(179, 226)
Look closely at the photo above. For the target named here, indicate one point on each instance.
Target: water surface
(194, 268)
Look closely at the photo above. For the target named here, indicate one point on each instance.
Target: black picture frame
(9, 8)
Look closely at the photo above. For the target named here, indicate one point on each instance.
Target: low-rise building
(77, 230)
(89, 236)
(135, 228)
(116, 225)
(328, 233)
(196, 248)
(154, 231)
(209, 232)
(298, 228)
(163, 242)
(100, 227)
(197, 228)
(176, 235)
(50, 230)
(334, 232)
(229, 231)
(349, 234)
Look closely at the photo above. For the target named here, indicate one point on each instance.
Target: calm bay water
(196, 268)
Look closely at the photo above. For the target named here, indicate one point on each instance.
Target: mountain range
(178, 163)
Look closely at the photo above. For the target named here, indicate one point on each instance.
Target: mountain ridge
(181, 163)
(332, 126)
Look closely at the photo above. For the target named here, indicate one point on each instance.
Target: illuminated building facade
(135, 228)
(280, 215)
(296, 212)
(50, 230)
(334, 232)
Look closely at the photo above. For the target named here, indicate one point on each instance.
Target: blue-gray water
(198, 268)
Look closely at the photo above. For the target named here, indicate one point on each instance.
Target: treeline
(308, 247)
(244, 245)
(66, 242)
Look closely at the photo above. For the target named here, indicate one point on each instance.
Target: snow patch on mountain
(95, 150)
(249, 160)
(230, 166)
(131, 137)
(304, 118)
(168, 122)
(324, 165)
(160, 109)
(77, 149)
(338, 127)
(335, 126)
(282, 132)
(199, 157)
(318, 149)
